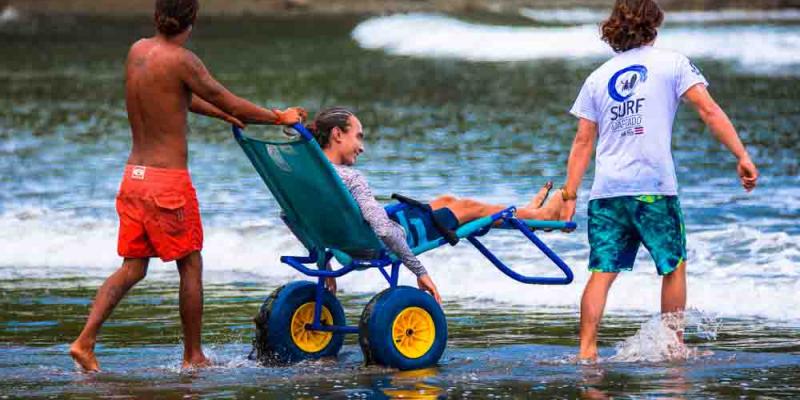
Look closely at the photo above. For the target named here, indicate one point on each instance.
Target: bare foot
(551, 211)
(539, 198)
(200, 361)
(591, 360)
(84, 357)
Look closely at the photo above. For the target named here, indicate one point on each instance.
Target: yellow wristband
(566, 195)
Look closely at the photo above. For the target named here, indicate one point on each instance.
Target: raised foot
(551, 211)
(540, 196)
(84, 357)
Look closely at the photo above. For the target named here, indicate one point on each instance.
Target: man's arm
(202, 107)
(722, 128)
(579, 158)
(200, 82)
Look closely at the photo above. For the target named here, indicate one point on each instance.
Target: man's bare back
(157, 100)
(163, 81)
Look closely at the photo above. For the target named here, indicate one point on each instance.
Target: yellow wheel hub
(306, 339)
(413, 332)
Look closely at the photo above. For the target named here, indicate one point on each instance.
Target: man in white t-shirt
(628, 106)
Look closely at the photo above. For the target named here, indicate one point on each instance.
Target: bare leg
(443, 201)
(673, 295)
(191, 304)
(107, 298)
(466, 210)
(593, 303)
(673, 290)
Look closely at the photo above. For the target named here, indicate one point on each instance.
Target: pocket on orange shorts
(171, 214)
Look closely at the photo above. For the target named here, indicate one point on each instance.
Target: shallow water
(495, 350)
(490, 130)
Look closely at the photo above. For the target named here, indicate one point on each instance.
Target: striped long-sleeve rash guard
(390, 232)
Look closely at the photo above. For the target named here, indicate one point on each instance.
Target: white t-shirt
(633, 98)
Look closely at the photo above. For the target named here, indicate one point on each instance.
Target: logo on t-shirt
(695, 69)
(626, 114)
(624, 82)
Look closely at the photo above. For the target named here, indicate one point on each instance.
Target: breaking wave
(592, 16)
(754, 48)
(762, 282)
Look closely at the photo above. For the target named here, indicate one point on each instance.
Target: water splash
(661, 338)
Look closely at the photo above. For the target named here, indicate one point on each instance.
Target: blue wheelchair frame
(504, 219)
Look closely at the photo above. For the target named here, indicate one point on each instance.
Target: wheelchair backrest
(317, 206)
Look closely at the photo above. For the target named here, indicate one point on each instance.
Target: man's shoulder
(146, 47)
(605, 70)
(650, 57)
(667, 53)
(137, 47)
(140, 43)
(612, 65)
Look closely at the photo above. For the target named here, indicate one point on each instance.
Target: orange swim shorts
(158, 214)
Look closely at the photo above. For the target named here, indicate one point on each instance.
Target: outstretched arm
(389, 232)
(579, 158)
(201, 83)
(722, 128)
(202, 107)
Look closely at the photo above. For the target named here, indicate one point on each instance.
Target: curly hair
(174, 16)
(632, 24)
(326, 120)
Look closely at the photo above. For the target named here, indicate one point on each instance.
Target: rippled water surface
(434, 123)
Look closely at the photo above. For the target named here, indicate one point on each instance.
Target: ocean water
(450, 104)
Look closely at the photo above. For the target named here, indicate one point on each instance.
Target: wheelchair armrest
(448, 234)
(411, 202)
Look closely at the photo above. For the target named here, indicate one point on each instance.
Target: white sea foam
(592, 16)
(733, 271)
(9, 14)
(756, 48)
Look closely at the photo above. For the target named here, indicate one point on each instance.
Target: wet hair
(175, 16)
(632, 24)
(323, 124)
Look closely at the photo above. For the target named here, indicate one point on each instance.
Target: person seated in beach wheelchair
(329, 206)
(340, 135)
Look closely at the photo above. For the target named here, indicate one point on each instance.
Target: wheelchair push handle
(305, 133)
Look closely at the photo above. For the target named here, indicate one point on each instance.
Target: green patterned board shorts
(618, 225)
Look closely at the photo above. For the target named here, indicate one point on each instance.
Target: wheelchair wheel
(403, 328)
(281, 334)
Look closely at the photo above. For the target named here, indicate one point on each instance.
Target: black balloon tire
(375, 328)
(273, 342)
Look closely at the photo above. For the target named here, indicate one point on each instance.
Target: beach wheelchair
(401, 327)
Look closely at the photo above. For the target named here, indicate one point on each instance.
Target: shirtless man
(157, 204)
